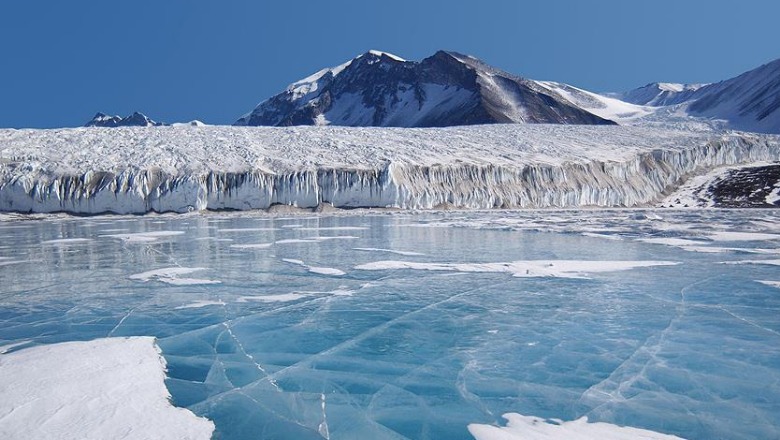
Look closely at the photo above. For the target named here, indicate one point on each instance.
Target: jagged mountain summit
(446, 89)
(749, 102)
(135, 120)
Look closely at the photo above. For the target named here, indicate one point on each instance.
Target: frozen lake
(417, 326)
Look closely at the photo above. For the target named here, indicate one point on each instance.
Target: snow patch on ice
(314, 239)
(760, 262)
(404, 253)
(520, 427)
(672, 241)
(522, 269)
(171, 275)
(282, 297)
(252, 246)
(144, 237)
(247, 230)
(67, 241)
(742, 236)
(316, 269)
(335, 228)
(604, 236)
(101, 389)
(201, 304)
(326, 271)
(770, 283)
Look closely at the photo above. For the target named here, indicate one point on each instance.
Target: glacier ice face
(181, 169)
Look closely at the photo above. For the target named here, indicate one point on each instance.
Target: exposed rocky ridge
(134, 120)
(446, 89)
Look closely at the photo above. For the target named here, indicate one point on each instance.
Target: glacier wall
(637, 180)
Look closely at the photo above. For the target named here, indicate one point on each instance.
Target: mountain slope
(660, 94)
(380, 89)
(748, 102)
(600, 105)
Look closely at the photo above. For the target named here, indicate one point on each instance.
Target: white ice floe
(160, 169)
(248, 229)
(296, 241)
(762, 262)
(336, 228)
(201, 304)
(770, 283)
(282, 297)
(689, 245)
(187, 281)
(102, 389)
(172, 275)
(673, 241)
(144, 237)
(742, 236)
(316, 269)
(326, 271)
(67, 241)
(315, 239)
(604, 236)
(335, 237)
(522, 269)
(520, 427)
(252, 246)
(404, 253)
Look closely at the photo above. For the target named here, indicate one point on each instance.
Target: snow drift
(180, 169)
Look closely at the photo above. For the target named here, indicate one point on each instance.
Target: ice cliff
(180, 169)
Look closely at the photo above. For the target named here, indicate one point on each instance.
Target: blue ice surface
(691, 350)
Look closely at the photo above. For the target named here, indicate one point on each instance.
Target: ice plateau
(181, 169)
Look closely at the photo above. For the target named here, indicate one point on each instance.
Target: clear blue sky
(178, 60)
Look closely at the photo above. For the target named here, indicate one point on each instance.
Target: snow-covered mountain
(446, 89)
(604, 106)
(749, 102)
(135, 120)
(660, 94)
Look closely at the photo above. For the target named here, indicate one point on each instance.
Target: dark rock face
(135, 120)
(378, 89)
(747, 188)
